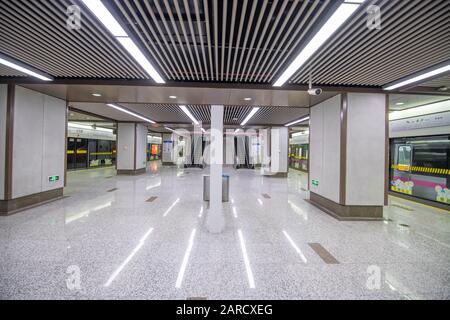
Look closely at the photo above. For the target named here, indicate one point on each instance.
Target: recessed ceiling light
(96, 94)
(248, 99)
(399, 103)
(172, 97)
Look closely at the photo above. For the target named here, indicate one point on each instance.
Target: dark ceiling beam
(213, 85)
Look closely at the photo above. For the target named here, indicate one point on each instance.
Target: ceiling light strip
(337, 19)
(14, 64)
(437, 70)
(114, 27)
(189, 114)
(130, 112)
(250, 115)
(297, 121)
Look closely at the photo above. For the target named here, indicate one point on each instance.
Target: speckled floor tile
(127, 248)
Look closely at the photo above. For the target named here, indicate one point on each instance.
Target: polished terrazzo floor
(108, 240)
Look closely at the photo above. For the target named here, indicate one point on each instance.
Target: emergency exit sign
(53, 178)
(315, 183)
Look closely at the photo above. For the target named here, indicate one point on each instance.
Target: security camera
(315, 91)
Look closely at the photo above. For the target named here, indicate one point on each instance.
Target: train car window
(404, 155)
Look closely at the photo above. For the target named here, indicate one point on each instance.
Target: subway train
(420, 167)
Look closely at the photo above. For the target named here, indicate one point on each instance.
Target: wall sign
(426, 121)
(53, 178)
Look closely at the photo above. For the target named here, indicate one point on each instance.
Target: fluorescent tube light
(337, 19)
(419, 77)
(189, 114)
(297, 121)
(170, 129)
(104, 129)
(130, 112)
(80, 126)
(134, 51)
(203, 130)
(15, 66)
(250, 115)
(86, 127)
(107, 19)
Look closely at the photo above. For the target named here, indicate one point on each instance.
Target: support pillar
(215, 220)
(348, 156)
(131, 148)
(32, 148)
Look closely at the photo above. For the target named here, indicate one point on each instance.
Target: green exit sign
(53, 178)
(315, 183)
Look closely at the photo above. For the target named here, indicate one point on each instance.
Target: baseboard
(344, 212)
(8, 207)
(131, 172)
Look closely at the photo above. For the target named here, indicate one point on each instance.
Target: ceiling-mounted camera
(313, 91)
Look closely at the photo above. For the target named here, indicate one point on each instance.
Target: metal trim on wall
(343, 150)
(10, 105)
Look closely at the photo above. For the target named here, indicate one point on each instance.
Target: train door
(71, 154)
(81, 153)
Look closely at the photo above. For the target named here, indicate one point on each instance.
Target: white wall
(366, 121)
(39, 140)
(3, 101)
(53, 142)
(125, 146)
(279, 149)
(141, 146)
(325, 144)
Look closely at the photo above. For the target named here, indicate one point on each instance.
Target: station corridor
(143, 237)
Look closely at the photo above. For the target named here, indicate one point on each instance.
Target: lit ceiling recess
(250, 115)
(336, 20)
(108, 20)
(130, 112)
(19, 66)
(419, 76)
(297, 121)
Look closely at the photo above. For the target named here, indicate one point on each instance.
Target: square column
(131, 148)
(215, 221)
(348, 155)
(32, 148)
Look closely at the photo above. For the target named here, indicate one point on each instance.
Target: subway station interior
(225, 149)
